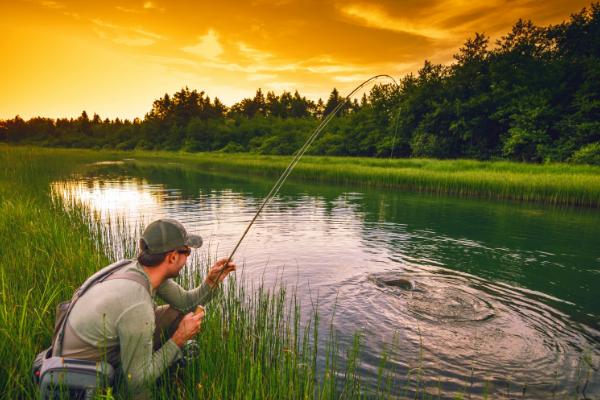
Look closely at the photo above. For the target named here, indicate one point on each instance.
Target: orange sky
(115, 57)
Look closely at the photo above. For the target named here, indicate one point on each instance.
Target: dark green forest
(533, 96)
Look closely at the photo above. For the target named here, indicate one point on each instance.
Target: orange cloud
(124, 35)
(208, 46)
(374, 16)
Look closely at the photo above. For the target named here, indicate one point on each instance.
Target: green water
(501, 296)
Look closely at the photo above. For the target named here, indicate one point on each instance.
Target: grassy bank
(556, 184)
(553, 184)
(45, 254)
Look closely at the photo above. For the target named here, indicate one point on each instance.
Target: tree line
(533, 96)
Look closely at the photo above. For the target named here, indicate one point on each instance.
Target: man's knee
(166, 320)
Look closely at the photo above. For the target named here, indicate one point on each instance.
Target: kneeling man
(117, 320)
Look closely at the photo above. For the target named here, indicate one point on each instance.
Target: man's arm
(187, 300)
(141, 364)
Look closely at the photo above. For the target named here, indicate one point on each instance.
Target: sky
(115, 57)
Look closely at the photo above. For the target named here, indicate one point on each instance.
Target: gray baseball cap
(165, 235)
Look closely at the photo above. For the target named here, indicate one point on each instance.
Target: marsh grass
(44, 254)
(557, 184)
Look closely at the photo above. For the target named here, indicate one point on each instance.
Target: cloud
(171, 61)
(133, 41)
(249, 68)
(145, 7)
(128, 10)
(146, 33)
(332, 69)
(208, 46)
(261, 77)
(352, 78)
(52, 4)
(72, 15)
(375, 16)
(150, 5)
(282, 85)
(253, 54)
(129, 36)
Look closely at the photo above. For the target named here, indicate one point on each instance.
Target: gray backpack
(60, 377)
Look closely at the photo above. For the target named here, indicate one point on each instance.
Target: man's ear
(172, 257)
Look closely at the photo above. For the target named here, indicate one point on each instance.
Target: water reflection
(499, 294)
(118, 199)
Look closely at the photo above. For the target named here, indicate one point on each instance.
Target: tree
(219, 108)
(319, 109)
(251, 107)
(528, 138)
(84, 124)
(332, 102)
(300, 107)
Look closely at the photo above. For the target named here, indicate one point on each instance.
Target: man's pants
(166, 319)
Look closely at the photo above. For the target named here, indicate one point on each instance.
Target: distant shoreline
(552, 184)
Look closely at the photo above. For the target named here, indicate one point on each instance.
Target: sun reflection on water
(126, 199)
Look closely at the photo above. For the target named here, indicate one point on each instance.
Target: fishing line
(395, 133)
(273, 192)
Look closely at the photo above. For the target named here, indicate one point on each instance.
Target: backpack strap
(131, 276)
(100, 276)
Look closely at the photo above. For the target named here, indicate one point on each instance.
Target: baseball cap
(165, 235)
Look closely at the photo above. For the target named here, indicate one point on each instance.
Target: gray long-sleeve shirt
(115, 320)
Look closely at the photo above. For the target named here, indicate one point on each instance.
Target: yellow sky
(115, 57)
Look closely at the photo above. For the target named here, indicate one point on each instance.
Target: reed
(45, 254)
(555, 184)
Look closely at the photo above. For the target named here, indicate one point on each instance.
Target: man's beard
(176, 274)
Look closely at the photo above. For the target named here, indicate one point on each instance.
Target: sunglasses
(187, 251)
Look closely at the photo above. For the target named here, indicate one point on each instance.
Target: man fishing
(117, 320)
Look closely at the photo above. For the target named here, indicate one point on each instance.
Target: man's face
(177, 260)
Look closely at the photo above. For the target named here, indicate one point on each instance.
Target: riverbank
(555, 184)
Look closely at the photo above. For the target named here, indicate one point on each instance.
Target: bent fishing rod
(292, 164)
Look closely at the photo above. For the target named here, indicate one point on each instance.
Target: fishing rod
(295, 161)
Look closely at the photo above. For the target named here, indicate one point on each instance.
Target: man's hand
(219, 271)
(188, 328)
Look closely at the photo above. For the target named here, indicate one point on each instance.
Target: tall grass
(44, 255)
(554, 184)
(557, 184)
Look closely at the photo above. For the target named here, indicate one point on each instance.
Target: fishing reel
(190, 350)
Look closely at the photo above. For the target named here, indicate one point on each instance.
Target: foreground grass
(557, 184)
(45, 254)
